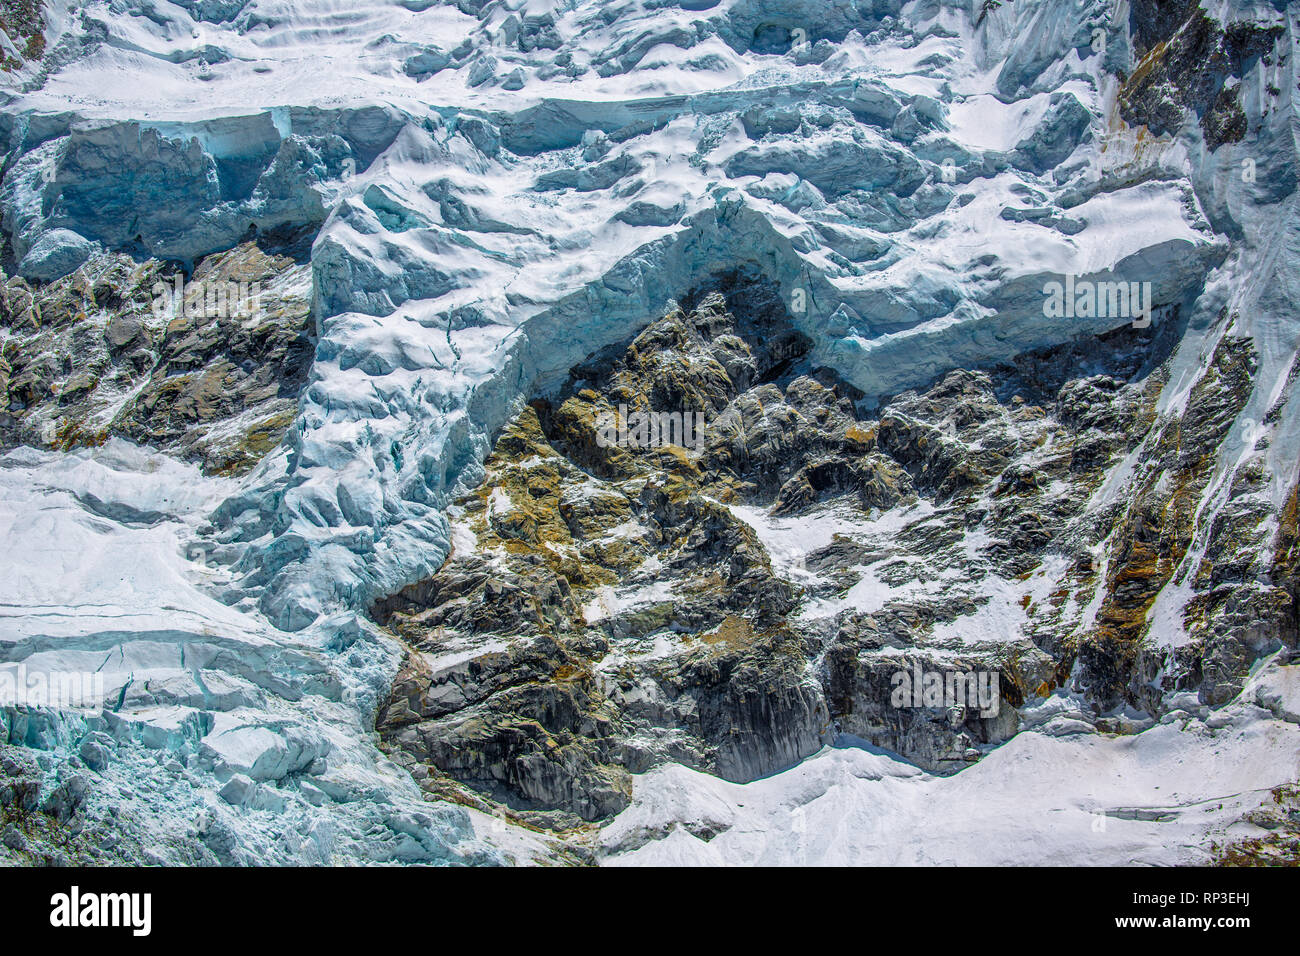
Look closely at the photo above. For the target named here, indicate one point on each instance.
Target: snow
(458, 270)
(610, 601)
(477, 241)
(498, 503)
(1155, 798)
(99, 581)
(789, 540)
(982, 121)
(1003, 616)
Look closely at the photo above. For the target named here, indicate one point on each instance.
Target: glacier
(498, 190)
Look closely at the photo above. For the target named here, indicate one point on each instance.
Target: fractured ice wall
(909, 179)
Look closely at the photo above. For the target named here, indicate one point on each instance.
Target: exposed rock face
(1189, 61)
(1279, 844)
(21, 22)
(731, 607)
(614, 612)
(211, 374)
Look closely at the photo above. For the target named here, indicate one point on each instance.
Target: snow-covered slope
(499, 190)
(1165, 797)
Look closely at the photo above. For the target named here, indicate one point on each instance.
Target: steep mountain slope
(830, 229)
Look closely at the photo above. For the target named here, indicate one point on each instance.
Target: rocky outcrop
(533, 673)
(207, 365)
(609, 607)
(1191, 62)
(22, 24)
(1275, 828)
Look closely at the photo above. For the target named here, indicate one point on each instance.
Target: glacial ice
(499, 190)
(200, 701)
